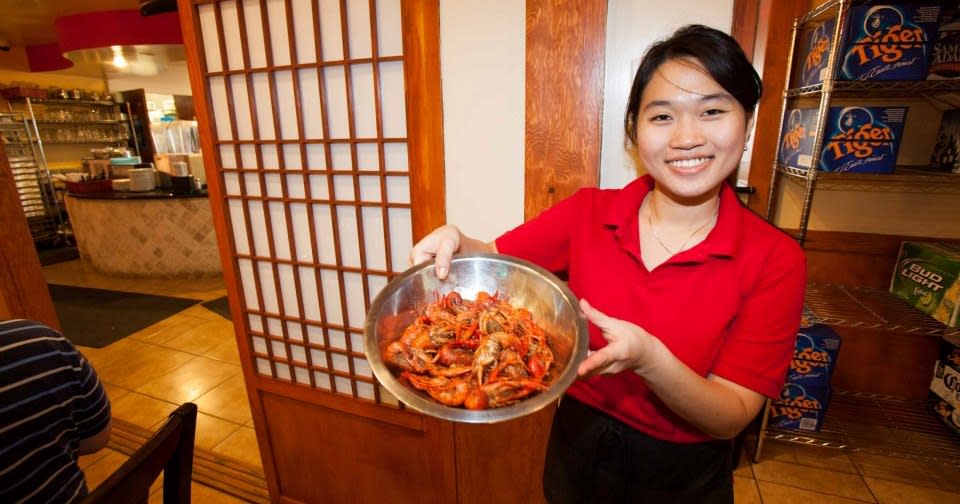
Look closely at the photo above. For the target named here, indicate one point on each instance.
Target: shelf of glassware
(904, 179)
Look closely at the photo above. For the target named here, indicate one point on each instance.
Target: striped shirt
(50, 400)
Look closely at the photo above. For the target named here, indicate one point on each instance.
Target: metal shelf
(877, 89)
(881, 425)
(869, 308)
(905, 179)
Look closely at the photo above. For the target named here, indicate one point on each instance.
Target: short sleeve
(761, 338)
(91, 412)
(545, 239)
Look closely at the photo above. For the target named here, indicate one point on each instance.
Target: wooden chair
(169, 450)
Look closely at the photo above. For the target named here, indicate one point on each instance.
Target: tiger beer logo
(805, 367)
(923, 273)
(795, 396)
(886, 37)
(818, 48)
(795, 132)
(859, 134)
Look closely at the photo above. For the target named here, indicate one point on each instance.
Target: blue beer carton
(796, 137)
(798, 409)
(814, 358)
(814, 51)
(889, 41)
(862, 139)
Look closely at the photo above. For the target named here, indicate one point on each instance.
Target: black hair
(720, 55)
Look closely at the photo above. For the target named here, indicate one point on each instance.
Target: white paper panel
(401, 232)
(331, 297)
(257, 224)
(358, 28)
(370, 188)
(318, 187)
(231, 184)
(343, 187)
(278, 223)
(248, 159)
(268, 156)
(392, 106)
(340, 157)
(398, 189)
(283, 372)
(389, 28)
(376, 283)
(274, 185)
(291, 157)
(241, 108)
(330, 30)
(316, 158)
(288, 290)
(301, 232)
(318, 357)
(364, 104)
(228, 160)
(337, 340)
(252, 184)
(259, 345)
(279, 350)
(315, 336)
(277, 16)
(335, 86)
(238, 224)
(264, 104)
(269, 292)
(327, 253)
(322, 380)
(221, 110)
(254, 30)
(247, 280)
(295, 333)
(302, 375)
(303, 31)
(375, 248)
(255, 325)
(286, 108)
(231, 35)
(349, 236)
(311, 299)
(356, 340)
(395, 156)
(368, 157)
(340, 362)
(361, 368)
(263, 367)
(343, 386)
(211, 41)
(356, 304)
(310, 103)
(295, 186)
(365, 391)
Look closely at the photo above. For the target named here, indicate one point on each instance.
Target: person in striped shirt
(52, 410)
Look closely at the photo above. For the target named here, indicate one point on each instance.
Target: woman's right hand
(439, 245)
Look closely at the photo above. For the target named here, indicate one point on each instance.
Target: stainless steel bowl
(553, 305)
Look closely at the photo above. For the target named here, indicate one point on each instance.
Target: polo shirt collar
(622, 214)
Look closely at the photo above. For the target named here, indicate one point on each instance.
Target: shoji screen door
(321, 136)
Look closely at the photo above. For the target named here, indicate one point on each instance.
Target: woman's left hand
(629, 346)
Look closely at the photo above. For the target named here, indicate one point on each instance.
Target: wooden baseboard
(227, 475)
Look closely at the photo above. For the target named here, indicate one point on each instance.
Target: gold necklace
(653, 230)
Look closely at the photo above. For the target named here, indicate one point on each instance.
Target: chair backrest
(169, 450)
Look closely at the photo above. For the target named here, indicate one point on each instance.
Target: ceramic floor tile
(211, 431)
(227, 401)
(838, 483)
(202, 494)
(743, 468)
(202, 336)
(816, 456)
(241, 446)
(745, 491)
(142, 411)
(774, 493)
(138, 368)
(189, 381)
(117, 351)
(201, 312)
(225, 350)
(166, 329)
(114, 392)
(893, 468)
(103, 467)
(895, 492)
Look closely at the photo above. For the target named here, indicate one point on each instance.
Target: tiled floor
(192, 357)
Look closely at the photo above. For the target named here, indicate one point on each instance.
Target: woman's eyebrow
(702, 98)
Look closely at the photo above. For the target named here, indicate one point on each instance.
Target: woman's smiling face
(690, 131)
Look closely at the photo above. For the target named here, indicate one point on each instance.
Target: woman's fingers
(444, 256)
(594, 364)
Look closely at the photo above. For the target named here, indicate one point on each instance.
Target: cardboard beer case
(796, 137)
(797, 409)
(927, 276)
(945, 385)
(862, 139)
(946, 150)
(814, 359)
(810, 67)
(890, 41)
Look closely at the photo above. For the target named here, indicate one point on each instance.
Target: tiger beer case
(889, 41)
(927, 276)
(814, 359)
(796, 137)
(798, 409)
(862, 139)
(814, 46)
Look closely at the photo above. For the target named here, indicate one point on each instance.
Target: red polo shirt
(729, 305)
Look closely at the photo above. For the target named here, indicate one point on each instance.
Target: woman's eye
(712, 112)
(660, 118)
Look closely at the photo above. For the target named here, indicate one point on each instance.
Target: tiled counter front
(147, 235)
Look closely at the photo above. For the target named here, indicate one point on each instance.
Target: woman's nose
(687, 134)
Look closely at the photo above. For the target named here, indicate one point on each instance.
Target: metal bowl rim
(429, 407)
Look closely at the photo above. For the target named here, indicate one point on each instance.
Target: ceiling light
(118, 60)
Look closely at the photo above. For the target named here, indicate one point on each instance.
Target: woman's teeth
(688, 163)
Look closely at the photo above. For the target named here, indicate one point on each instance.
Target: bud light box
(889, 41)
(814, 46)
(927, 276)
(796, 137)
(797, 409)
(862, 139)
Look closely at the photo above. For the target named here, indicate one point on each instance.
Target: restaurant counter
(145, 234)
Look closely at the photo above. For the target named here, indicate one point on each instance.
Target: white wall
(633, 26)
(482, 64)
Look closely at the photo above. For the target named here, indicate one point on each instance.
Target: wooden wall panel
(564, 99)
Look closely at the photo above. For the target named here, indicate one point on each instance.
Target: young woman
(694, 301)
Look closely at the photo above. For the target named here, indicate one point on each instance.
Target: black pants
(594, 458)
